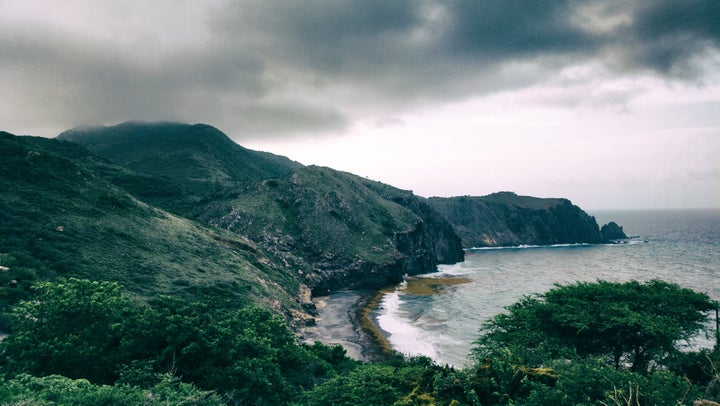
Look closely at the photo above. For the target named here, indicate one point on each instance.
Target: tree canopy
(86, 342)
(631, 323)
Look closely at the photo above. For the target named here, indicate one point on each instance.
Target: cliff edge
(506, 219)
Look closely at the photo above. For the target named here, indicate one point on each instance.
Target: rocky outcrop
(338, 230)
(612, 232)
(506, 219)
(330, 230)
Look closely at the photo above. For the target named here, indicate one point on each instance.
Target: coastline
(345, 318)
(376, 345)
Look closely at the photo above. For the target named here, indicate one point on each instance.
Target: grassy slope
(176, 165)
(310, 218)
(316, 217)
(62, 219)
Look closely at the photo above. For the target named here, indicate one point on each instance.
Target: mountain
(506, 219)
(60, 218)
(178, 209)
(339, 230)
(204, 216)
(177, 165)
(334, 229)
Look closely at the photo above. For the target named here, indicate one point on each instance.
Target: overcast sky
(612, 104)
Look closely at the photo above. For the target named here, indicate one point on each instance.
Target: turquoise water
(682, 247)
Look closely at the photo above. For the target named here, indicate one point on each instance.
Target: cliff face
(332, 230)
(337, 230)
(506, 219)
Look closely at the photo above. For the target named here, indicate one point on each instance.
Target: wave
(403, 335)
(528, 246)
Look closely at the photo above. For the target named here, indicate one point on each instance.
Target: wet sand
(344, 319)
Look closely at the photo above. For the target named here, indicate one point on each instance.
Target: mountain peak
(179, 151)
(197, 159)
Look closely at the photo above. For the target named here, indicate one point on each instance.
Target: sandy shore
(344, 318)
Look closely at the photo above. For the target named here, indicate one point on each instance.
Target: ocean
(439, 315)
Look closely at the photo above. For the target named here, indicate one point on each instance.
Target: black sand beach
(343, 319)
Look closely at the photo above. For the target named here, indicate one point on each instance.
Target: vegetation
(175, 166)
(60, 218)
(85, 342)
(163, 276)
(626, 323)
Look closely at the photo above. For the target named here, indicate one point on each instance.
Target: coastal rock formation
(339, 230)
(612, 232)
(332, 230)
(506, 219)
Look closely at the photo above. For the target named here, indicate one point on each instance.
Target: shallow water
(682, 247)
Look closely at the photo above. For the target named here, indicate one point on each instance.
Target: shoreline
(345, 318)
(377, 347)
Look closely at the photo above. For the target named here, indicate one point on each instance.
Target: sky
(611, 104)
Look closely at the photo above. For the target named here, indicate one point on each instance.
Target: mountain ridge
(506, 219)
(172, 208)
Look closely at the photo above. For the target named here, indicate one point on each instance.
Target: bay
(678, 246)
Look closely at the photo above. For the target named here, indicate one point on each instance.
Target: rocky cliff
(333, 230)
(337, 230)
(506, 219)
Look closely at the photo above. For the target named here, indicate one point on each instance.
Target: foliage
(74, 329)
(245, 354)
(84, 342)
(592, 381)
(92, 334)
(627, 323)
(59, 390)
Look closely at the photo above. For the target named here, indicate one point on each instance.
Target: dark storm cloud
(666, 35)
(512, 29)
(80, 81)
(274, 67)
(427, 50)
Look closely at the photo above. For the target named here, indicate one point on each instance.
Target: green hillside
(182, 210)
(337, 229)
(507, 219)
(330, 229)
(177, 165)
(59, 218)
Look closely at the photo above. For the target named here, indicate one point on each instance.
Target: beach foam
(403, 335)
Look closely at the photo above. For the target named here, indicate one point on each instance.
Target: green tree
(365, 385)
(59, 390)
(74, 329)
(249, 355)
(632, 323)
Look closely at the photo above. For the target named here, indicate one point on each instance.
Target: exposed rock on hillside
(339, 230)
(506, 219)
(331, 229)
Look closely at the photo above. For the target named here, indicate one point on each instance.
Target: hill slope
(338, 229)
(59, 218)
(183, 210)
(179, 164)
(506, 219)
(334, 229)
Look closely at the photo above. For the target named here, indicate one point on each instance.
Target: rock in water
(612, 232)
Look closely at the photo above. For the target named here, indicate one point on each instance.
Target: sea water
(681, 247)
